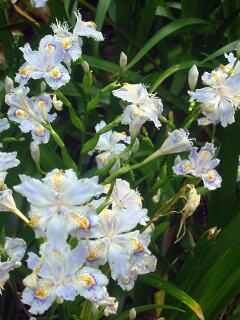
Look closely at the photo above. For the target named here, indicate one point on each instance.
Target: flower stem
(21, 216)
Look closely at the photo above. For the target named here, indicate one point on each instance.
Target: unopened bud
(85, 67)
(238, 50)
(31, 281)
(193, 77)
(17, 264)
(8, 85)
(44, 115)
(132, 314)
(35, 152)
(156, 197)
(58, 104)
(43, 86)
(59, 300)
(123, 60)
(135, 146)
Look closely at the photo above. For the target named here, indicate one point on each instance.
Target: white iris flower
(142, 106)
(114, 240)
(221, 97)
(44, 63)
(109, 144)
(59, 273)
(201, 164)
(59, 201)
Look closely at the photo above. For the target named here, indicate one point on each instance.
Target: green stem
(76, 121)
(107, 200)
(65, 154)
(167, 122)
(192, 117)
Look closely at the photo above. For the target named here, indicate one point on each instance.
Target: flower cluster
(61, 205)
(54, 51)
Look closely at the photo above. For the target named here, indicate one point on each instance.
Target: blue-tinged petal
(26, 126)
(40, 134)
(8, 160)
(194, 157)
(97, 252)
(4, 124)
(86, 29)
(183, 167)
(67, 292)
(24, 73)
(118, 259)
(75, 51)
(52, 52)
(82, 191)
(233, 82)
(39, 300)
(202, 95)
(128, 219)
(77, 256)
(91, 283)
(127, 281)
(59, 180)
(44, 102)
(57, 77)
(33, 260)
(34, 58)
(226, 112)
(35, 191)
(15, 247)
(207, 152)
(211, 180)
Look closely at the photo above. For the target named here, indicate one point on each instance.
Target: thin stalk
(106, 201)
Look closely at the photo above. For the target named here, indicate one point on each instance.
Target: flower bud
(135, 146)
(58, 104)
(156, 197)
(177, 141)
(123, 60)
(193, 77)
(31, 281)
(8, 85)
(85, 67)
(35, 152)
(43, 86)
(238, 50)
(59, 300)
(132, 314)
(44, 115)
